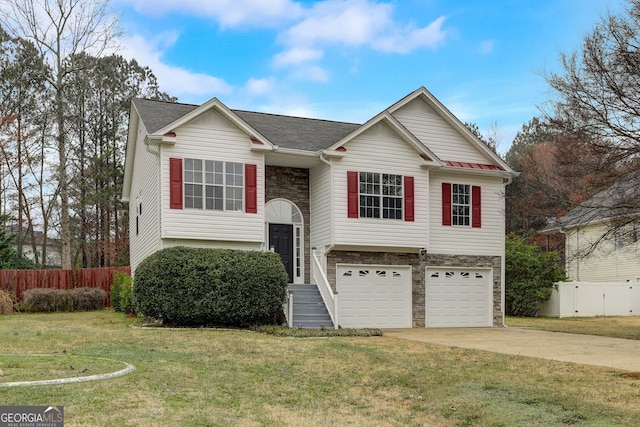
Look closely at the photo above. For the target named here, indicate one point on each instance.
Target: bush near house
(122, 293)
(46, 300)
(194, 286)
(530, 275)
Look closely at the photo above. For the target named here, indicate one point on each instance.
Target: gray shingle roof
(285, 131)
(297, 132)
(619, 200)
(157, 114)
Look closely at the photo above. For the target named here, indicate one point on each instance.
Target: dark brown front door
(281, 241)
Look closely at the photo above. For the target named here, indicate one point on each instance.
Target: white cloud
(348, 22)
(297, 55)
(312, 73)
(228, 13)
(174, 80)
(255, 86)
(353, 23)
(486, 47)
(405, 40)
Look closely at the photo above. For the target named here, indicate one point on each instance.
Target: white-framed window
(626, 235)
(213, 185)
(380, 195)
(461, 204)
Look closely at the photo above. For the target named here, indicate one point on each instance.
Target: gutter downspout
(577, 254)
(508, 180)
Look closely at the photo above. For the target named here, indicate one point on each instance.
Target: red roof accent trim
(425, 157)
(256, 141)
(171, 134)
(341, 149)
(467, 165)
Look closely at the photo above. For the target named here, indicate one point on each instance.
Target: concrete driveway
(585, 349)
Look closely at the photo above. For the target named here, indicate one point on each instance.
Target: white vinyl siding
(211, 137)
(438, 135)
(606, 263)
(486, 240)
(320, 205)
(144, 191)
(380, 150)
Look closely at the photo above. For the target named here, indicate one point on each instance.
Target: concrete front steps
(309, 310)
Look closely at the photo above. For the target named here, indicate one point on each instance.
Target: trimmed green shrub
(122, 293)
(46, 300)
(6, 302)
(87, 299)
(530, 275)
(192, 286)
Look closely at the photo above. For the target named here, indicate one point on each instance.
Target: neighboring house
(52, 245)
(402, 217)
(602, 235)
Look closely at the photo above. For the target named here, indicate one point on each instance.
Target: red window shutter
(446, 203)
(408, 199)
(352, 190)
(250, 188)
(175, 183)
(476, 210)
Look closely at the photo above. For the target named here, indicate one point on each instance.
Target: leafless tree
(597, 100)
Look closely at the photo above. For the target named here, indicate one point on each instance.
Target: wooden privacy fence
(18, 281)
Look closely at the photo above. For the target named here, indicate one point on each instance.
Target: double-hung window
(213, 185)
(461, 204)
(380, 195)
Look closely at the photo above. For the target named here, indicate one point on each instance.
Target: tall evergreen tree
(61, 29)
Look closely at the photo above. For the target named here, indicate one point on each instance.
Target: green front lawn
(219, 377)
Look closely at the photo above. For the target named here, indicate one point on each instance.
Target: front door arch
(282, 214)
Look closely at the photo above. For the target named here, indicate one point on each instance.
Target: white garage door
(374, 296)
(458, 297)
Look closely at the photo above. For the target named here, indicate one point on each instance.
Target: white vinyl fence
(588, 299)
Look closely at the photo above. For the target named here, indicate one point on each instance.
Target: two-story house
(400, 219)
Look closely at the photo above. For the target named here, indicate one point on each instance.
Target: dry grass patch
(211, 378)
(627, 327)
(6, 302)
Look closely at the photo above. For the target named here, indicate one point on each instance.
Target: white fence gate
(588, 299)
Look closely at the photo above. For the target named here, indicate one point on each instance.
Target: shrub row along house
(399, 221)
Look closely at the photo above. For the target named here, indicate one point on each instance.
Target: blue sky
(350, 59)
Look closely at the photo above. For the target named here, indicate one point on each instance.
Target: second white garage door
(374, 296)
(458, 297)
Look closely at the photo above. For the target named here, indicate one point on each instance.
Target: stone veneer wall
(418, 265)
(292, 184)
